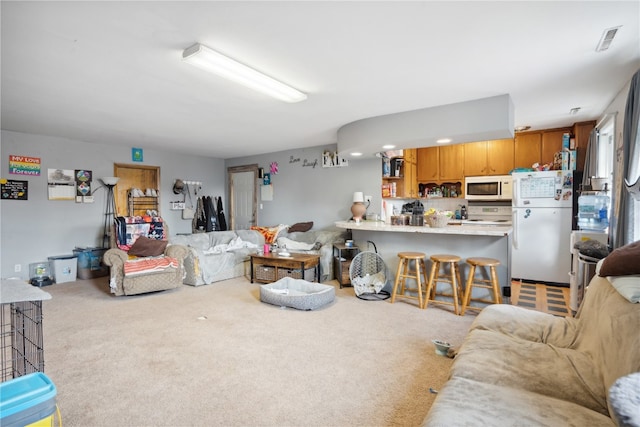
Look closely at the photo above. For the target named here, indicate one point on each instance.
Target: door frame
(241, 169)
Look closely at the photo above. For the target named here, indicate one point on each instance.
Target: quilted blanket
(149, 265)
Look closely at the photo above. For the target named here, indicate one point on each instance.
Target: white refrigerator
(542, 217)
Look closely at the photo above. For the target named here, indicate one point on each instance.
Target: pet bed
(297, 293)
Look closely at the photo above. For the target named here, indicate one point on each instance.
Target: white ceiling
(110, 72)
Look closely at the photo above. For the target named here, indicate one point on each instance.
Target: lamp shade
(358, 196)
(110, 180)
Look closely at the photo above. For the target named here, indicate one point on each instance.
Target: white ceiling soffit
(110, 72)
(477, 120)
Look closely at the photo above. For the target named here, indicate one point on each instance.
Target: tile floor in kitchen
(548, 299)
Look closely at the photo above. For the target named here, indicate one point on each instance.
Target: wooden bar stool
(490, 283)
(404, 272)
(440, 262)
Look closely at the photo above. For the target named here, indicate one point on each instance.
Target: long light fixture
(208, 59)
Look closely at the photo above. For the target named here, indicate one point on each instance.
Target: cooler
(65, 268)
(27, 401)
(90, 263)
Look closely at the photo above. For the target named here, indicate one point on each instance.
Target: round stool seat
(411, 255)
(445, 258)
(483, 262)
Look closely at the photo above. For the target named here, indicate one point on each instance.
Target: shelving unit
(342, 257)
(139, 206)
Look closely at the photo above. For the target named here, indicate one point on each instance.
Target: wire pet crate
(21, 343)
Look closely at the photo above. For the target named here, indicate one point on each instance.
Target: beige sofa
(222, 255)
(518, 367)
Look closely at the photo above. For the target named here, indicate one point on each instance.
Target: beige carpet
(216, 356)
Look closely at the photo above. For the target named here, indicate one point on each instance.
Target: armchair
(156, 265)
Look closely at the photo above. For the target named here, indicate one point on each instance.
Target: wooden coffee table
(270, 267)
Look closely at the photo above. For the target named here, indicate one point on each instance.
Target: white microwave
(498, 187)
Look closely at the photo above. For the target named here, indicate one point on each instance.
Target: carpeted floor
(216, 356)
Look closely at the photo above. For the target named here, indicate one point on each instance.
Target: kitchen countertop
(473, 230)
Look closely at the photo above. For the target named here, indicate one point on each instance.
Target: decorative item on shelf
(358, 209)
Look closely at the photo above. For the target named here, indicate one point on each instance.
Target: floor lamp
(110, 209)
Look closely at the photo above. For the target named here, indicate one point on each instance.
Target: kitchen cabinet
(551, 144)
(405, 184)
(581, 132)
(451, 162)
(527, 148)
(493, 157)
(427, 164)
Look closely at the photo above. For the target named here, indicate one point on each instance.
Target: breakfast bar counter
(462, 240)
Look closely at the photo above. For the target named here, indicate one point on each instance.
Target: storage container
(29, 400)
(64, 267)
(296, 273)
(593, 212)
(90, 263)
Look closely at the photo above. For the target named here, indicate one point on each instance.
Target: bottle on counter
(463, 212)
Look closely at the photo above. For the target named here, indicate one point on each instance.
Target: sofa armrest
(177, 251)
(115, 257)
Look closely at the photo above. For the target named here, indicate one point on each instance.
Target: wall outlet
(17, 268)
(367, 199)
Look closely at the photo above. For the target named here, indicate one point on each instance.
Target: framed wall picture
(136, 154)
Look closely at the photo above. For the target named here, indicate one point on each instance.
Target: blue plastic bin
(27, 400)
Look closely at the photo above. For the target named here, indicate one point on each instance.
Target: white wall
(34, 229)
(305, 191)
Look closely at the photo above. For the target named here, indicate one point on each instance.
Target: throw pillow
(627, 286)
(270, 233)
(301, 226)
(622, 261)
(145, 246)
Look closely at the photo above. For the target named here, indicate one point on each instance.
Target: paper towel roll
(388, 211)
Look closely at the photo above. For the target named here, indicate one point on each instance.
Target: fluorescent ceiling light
(388, 146)
(444, 141)
(214, 62)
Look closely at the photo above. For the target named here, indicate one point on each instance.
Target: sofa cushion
(301, 226)
(198, 240)
(465, 402)
(494, 358)
(145, 246)
(622, 261)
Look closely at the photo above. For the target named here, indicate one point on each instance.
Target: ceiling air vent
(607, 38)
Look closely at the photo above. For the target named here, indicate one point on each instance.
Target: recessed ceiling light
(607, 38)
(443, 140)
(522, 128)
(356, 154)
(388, 146)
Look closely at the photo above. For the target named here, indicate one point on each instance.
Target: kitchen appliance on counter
(497, 187)
(542, 218)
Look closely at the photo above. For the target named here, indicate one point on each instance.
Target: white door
(242, 190)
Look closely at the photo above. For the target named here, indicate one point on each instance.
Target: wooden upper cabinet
(488, 157)
(527, 149)
(500, 156)
(581, 132)
(410, 170)
(475, 159)
(427, 164)
(451, 162)
(551, 144)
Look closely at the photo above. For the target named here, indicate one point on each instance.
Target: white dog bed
(297, 293)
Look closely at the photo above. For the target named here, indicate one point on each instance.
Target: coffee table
(270, 267)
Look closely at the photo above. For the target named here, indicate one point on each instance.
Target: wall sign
(24, 165)
(14, 190)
